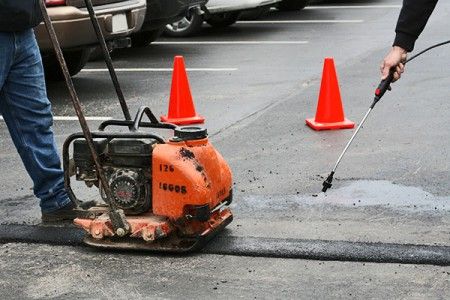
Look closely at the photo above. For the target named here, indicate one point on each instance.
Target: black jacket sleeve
(17, 15)
(411, 22)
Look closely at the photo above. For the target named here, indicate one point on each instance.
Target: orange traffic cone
(181, 105)
(329, 114)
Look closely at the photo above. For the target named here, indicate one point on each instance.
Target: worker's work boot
(67, 213)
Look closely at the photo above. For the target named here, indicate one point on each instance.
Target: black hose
(426, 50)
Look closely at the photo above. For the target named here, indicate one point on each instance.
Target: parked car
(217, 13)
(118, 20)
(159, 13)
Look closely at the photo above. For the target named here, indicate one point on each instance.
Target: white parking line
(230, 43)
(93, 70)
(74, 118)
(318, 7)
(299, 21)
(352, 7)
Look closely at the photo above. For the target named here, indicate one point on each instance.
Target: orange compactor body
(191, 188)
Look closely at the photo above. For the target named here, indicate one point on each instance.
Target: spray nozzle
(327, 183)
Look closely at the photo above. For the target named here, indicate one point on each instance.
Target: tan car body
(74, 28)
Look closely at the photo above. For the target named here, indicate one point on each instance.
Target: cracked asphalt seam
(260, 247)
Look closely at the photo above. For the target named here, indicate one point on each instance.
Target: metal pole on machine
(121, 226)
(107, 58)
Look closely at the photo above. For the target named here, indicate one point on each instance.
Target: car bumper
(221, 6)
(74, 28)
(161, 12)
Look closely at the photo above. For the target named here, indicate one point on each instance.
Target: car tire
(223, 20)
(186, 26)
(75, 61)
(144, 38)
(292, 4)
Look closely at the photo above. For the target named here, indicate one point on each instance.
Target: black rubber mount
(190, 133)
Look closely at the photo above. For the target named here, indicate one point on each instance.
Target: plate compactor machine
(166, 195)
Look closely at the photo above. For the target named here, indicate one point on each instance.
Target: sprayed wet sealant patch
(362, 193)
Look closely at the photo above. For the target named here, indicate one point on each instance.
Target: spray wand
(382, 88)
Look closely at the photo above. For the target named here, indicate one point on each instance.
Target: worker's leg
(27, 113)
(6, 55)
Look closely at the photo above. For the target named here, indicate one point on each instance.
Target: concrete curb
(260, 247)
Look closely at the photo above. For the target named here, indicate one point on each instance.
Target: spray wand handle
(383, 87)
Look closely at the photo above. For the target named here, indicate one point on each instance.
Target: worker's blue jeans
(27, 113)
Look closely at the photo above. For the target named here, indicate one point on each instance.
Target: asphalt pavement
(255, 83)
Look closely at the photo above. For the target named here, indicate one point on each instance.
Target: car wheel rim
(181, 24)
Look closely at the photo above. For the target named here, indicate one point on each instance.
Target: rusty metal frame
(174, 243)
(117, 216)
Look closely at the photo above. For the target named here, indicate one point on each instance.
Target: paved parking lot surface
(255, 83)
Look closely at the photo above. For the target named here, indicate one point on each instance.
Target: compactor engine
(179, 187)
